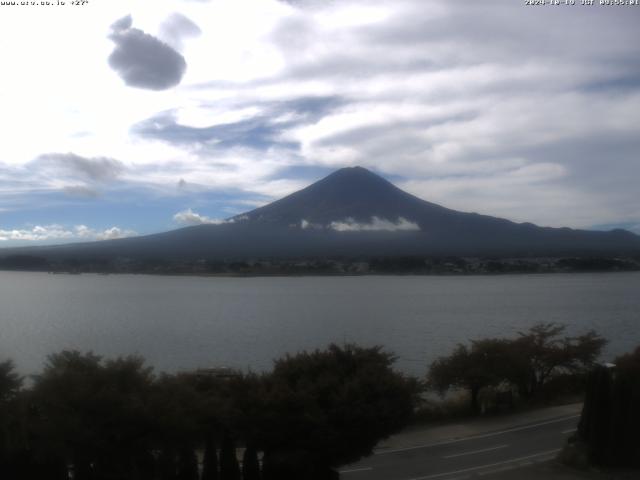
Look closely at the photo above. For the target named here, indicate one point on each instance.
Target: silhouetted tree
(210, 460)
(175, 406)
(629, 363)
(187, 464)
(93, 414)
(328, 408)
(167, 464)
(596, 414)
(527, 362)
(250, 464)
(10, 445)
(113, 419)
(474, 368)
(10, 381)
(610, 419)
(625, 409)
(229, 468)
(542, 352)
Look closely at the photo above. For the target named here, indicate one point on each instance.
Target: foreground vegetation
(538, 362)
(608, 431)
(114, 419)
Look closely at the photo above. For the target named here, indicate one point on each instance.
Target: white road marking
(354, 470)
(498, 470)
(475, 437)
(571, 430)
(489, 465)
(476, 451)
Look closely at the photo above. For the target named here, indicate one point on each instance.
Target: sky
(124, 118)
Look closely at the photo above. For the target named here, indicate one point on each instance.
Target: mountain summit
(349, 193)
(352, 213)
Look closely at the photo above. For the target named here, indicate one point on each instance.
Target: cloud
(176, 28)
(124, 23)
(307, 225)
(462, 104)
(142, 60)
(109, 233)
(189, 217)
(376, 225)
(97, 169)
(54, 232)
(309, 3)
(261, 129)
(81, 191)
(255, 133)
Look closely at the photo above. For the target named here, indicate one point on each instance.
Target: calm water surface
(187, 322)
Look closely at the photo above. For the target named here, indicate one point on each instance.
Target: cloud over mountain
(375, 225)
(189, 217)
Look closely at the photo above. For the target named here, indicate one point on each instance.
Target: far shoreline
(323, 275)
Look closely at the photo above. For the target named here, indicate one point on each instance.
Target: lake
(180, 323)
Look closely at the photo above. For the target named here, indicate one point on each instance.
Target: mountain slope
(352, 212)
(347, 193)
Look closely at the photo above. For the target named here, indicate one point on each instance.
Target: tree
(527, 362)
(250, 464)
(327, 408)
(541, 352)
(629, 363)
(10, 381)
(610, 419)
(625, 413)
(113, 419)
(482, 365)
(210, 460)
(229, 468)
(93, 414)
(176, 408)
(10, 385)
(187, 464)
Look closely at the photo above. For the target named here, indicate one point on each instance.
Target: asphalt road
(478, 456)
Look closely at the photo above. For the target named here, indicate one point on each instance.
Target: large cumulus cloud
(142, 60)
